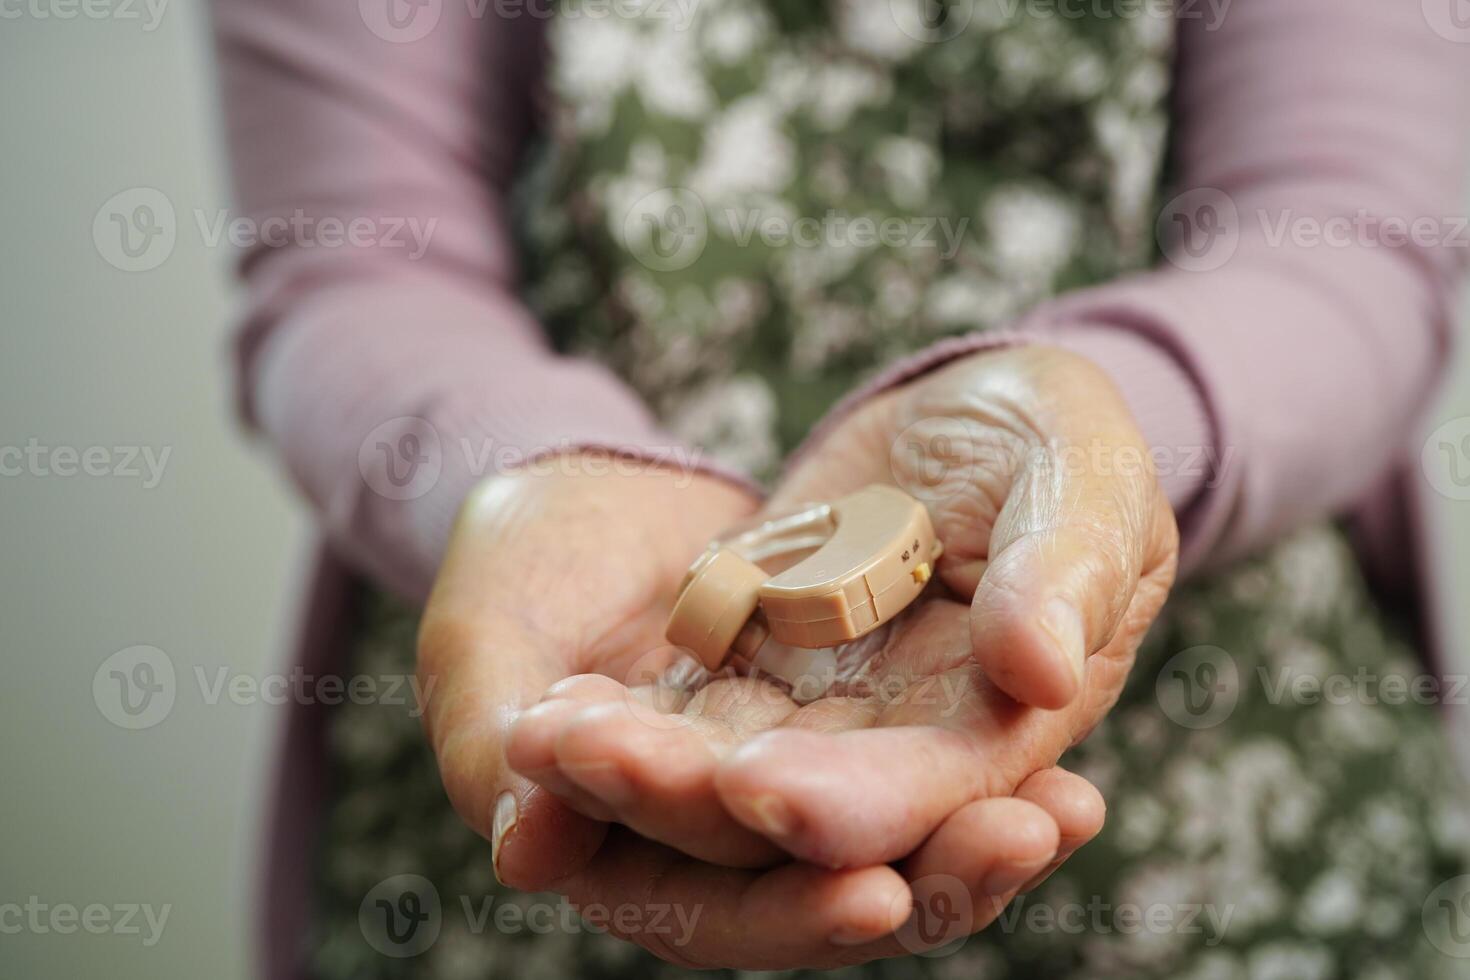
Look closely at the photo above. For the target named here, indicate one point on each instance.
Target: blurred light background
(198, 565)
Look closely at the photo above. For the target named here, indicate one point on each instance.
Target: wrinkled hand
(548, 575)
(552, 576)
(1060, 548)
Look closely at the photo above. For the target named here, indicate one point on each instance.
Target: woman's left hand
(1062, 543)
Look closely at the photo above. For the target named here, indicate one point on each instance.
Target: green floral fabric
(746, 206)
(746, 213)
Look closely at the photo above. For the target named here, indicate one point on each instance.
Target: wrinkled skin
(777, 815)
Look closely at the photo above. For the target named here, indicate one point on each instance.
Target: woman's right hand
(568, 568)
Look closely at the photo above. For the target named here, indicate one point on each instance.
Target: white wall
(196, 566)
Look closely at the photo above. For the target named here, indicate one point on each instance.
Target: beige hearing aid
(823, 575)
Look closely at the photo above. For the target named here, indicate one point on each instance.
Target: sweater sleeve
(384, 352)
(1280, 358)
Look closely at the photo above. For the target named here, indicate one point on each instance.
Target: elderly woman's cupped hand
(792, 826)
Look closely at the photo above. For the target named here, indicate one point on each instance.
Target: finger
(1076, 806)
(531, 751)
(655, 772)
(862, 795)
(585, 688)
(1066, 554)
(531, 743)
(854, 798)
(963, 876)
(700, 915)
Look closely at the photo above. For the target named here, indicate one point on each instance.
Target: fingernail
(772, 815)
(1063, 623)
(503, 823)
(848, 936)
(1009, 877)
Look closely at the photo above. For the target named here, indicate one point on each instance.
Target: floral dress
(745, 207)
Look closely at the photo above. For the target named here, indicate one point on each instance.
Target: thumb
(477, 678)
(480, 663)
(1066, 554)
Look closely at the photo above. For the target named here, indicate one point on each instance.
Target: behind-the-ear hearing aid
(823, 575)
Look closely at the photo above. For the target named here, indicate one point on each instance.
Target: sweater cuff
(1165, 401)
(573, 445)
(1164, 397)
